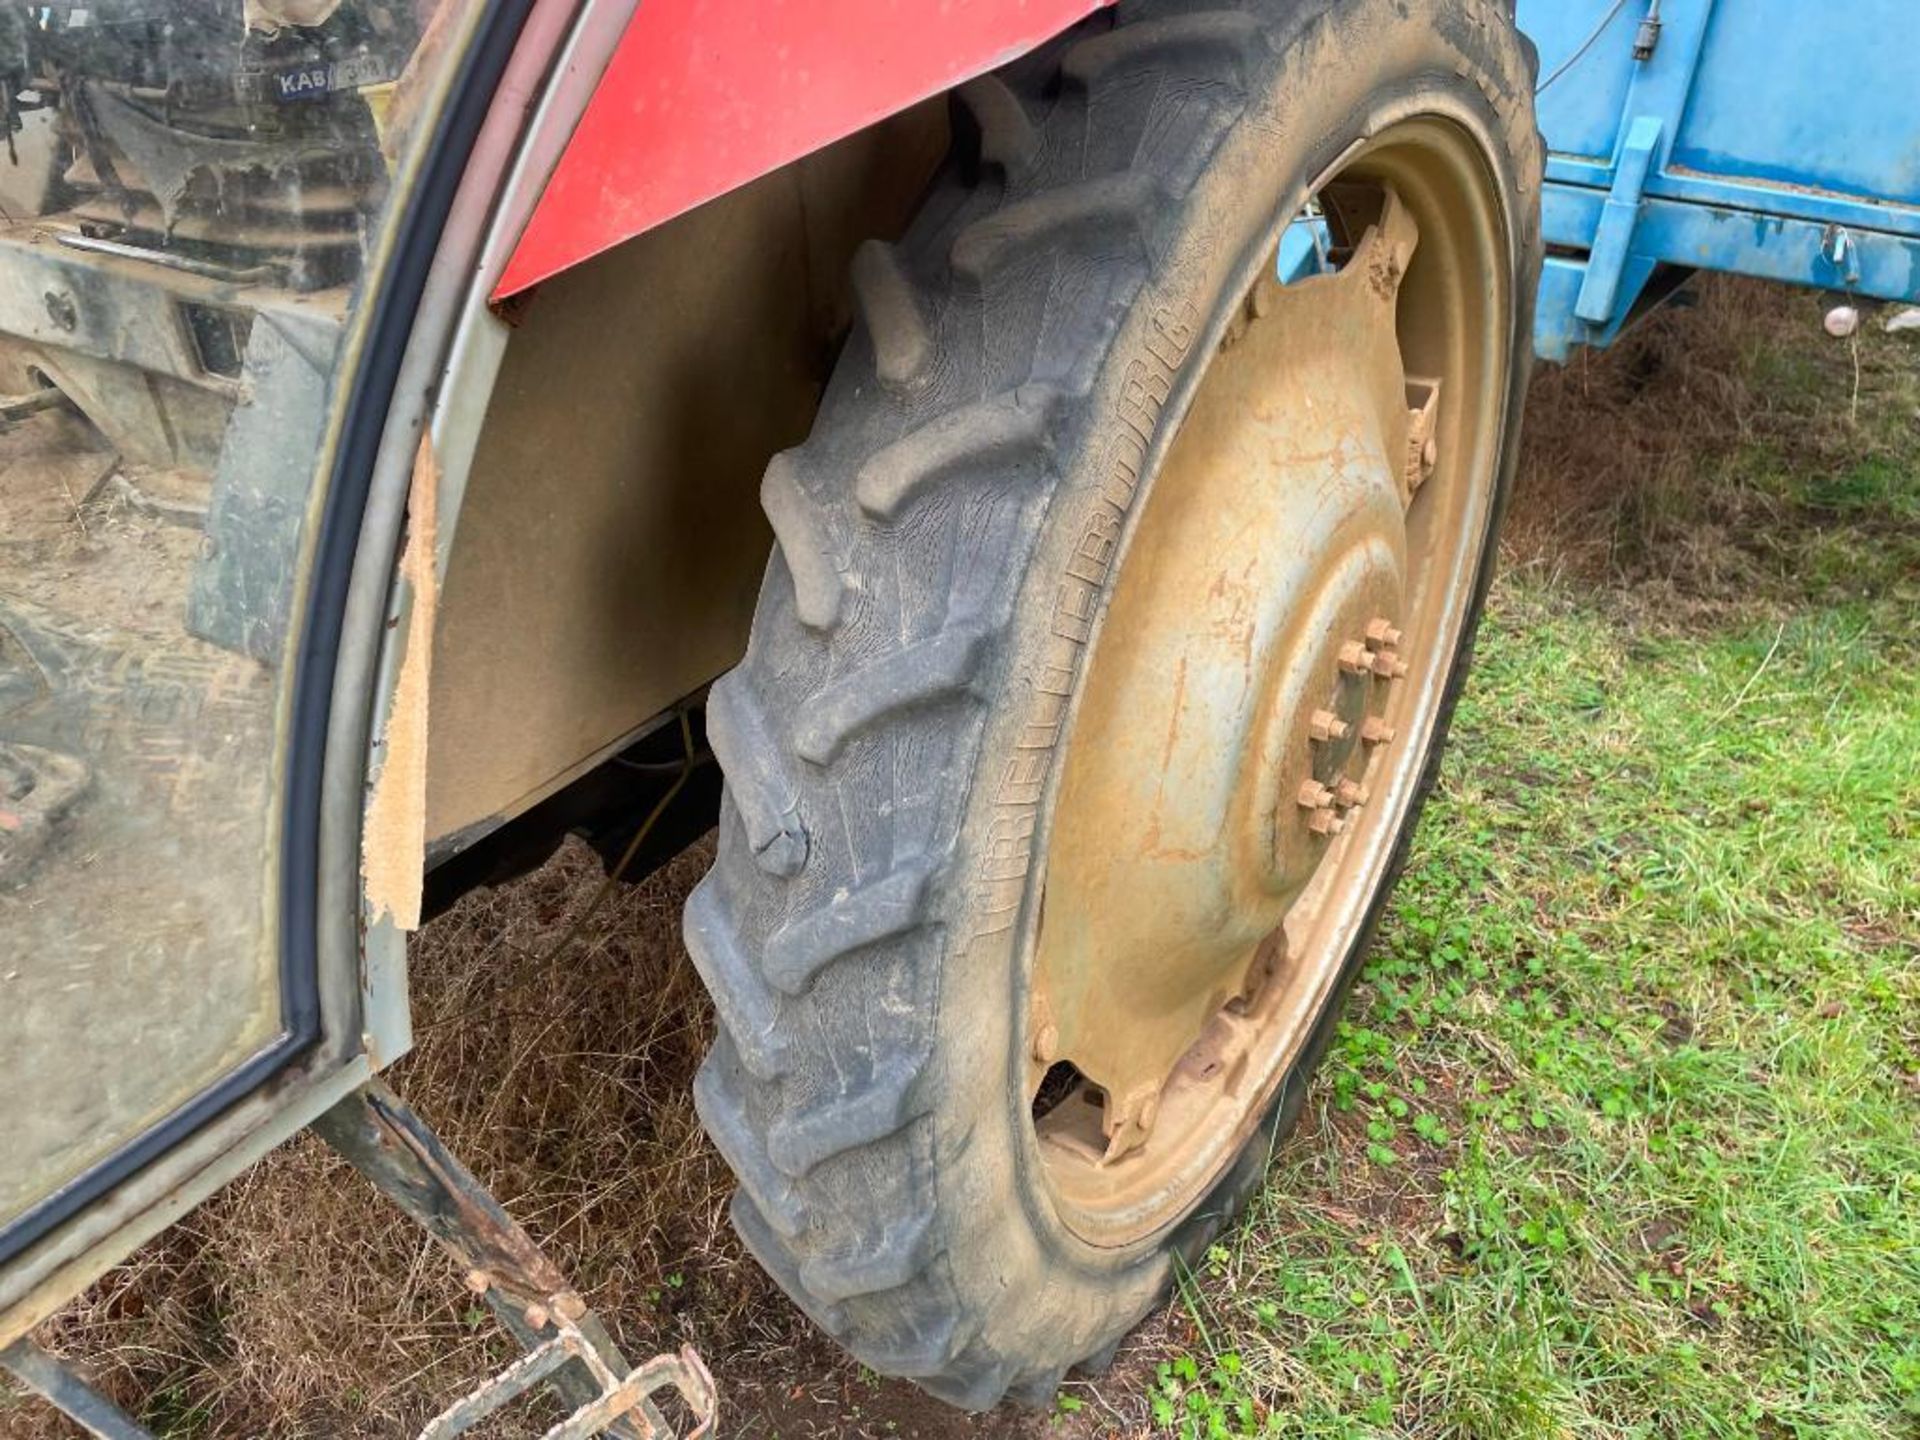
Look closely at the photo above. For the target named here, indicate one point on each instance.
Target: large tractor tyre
(1120, 598)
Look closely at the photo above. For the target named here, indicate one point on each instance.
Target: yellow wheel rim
(1266, 683)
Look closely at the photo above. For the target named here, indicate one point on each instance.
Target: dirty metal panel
(1750, 118)
(567, 1345)
(1586, 65)
(1757, 137)
(705, 95)
(1821, 97)
(180, 300)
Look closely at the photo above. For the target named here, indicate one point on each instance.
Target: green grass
(1621, 1135)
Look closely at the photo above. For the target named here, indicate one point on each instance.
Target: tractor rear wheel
(1121, 596)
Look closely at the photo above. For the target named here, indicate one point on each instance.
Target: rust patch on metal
(568, 1346)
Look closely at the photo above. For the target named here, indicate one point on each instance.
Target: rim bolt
(1347, 794)
(1314, 796)
(1388, 666)
(1325, 725)
(1375, 731)
(1326, 822)
(1354, 658)
(1382, 636)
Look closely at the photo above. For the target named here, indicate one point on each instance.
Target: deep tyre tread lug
(801, 531)
(895, 318)
(937, 668)
(1101, 1360)
(764, 1245)
(1086, 215)
(871, 1112)
(984, 437)
(924, 1355)
(1007, 135)
(1193, 41)
(978, 1392)
(765, 795)
(749, 1013)
(900, 1255)
(724, 1115)
(805, 946)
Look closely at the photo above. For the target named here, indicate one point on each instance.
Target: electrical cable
(1584, 46)
(692, 760)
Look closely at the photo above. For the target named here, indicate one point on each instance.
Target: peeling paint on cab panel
(393, 855)
(704, 95)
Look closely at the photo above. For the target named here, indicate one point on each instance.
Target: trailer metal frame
(1822, 190)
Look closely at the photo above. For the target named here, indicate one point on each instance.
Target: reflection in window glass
(189, 190)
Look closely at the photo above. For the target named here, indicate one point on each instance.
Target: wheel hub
(1238, 722)
(1206, 805)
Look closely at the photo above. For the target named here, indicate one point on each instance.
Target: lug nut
(1354, 658)
(1326, 822)
(1388, 666)
(1314, 796)
(1347, 794)
(1375, 731)
(1381, 635)
(1325, 725)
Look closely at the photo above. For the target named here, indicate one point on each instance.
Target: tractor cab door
(215, 213)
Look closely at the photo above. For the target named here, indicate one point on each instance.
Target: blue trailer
(1760, 137)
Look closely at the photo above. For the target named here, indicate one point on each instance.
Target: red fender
(702, 96)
